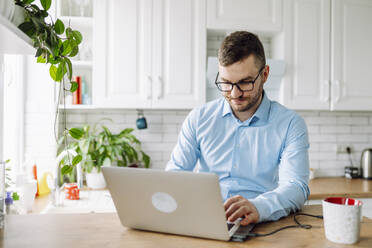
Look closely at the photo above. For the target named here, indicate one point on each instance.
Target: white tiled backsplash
(326, 131)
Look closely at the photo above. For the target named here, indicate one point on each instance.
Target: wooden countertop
(321, 188)
(105, 230)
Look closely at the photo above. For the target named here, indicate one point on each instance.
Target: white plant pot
(19, 15)
(95, 180)
(7, 9)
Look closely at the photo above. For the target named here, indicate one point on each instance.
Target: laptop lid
(184, 203)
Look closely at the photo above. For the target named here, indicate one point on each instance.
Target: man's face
(245, 70)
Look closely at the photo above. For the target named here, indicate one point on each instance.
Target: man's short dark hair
(238, 46)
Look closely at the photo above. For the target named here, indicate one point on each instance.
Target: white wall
(326, 131)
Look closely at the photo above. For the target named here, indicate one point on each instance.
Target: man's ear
(265, 72)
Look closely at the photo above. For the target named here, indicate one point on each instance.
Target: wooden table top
(321, 188)
(105, 230)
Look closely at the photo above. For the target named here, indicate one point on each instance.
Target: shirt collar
(262, 113)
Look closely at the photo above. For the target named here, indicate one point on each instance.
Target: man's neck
(243, 116)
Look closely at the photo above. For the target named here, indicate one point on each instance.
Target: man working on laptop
(257, 147)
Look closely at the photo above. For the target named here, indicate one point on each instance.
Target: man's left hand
(237, 206)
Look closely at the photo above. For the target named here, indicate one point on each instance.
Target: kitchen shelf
(78, 106)
(82, 63)
(13, 40)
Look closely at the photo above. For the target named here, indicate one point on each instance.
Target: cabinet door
(122, 53)
(306, 42)
(351, 55)
(252, 15)
(179, 51)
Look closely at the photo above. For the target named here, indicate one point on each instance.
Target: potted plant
(96, 149)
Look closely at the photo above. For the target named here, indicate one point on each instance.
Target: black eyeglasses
(244, 85)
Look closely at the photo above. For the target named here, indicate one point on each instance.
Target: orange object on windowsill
(34, 172)
(72, 191)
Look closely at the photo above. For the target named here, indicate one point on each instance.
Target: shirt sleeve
(186, 152)
(292, 190)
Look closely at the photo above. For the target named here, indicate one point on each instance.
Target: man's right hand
(237, 206)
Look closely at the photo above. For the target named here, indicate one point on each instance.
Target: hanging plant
(55, 45)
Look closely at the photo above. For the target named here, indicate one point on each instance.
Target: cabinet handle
(337, 90)
(148, 90)
(160, 86)
(325, 91)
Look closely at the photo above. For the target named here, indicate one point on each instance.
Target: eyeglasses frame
(237, 84)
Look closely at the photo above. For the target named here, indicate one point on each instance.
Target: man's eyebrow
(247, 78)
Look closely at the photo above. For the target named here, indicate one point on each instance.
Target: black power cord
(299, 225)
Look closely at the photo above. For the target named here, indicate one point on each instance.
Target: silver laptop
(183, 203)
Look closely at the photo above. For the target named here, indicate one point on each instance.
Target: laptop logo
(164, 202)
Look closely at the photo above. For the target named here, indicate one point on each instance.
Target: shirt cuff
(262, 208)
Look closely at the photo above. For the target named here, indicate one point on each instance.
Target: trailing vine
(55, 45)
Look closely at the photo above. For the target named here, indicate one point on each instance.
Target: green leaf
(146, 159)
(76, 133)
(53, 72)
(69, 33)
(76, 160)
(77, 35)
(74, 51)
(39, 52)
(46, 4)
(126, 131)
(59, 27)
(74, 86)
(7, 161)
(69, 64)
(15, 196)
(41, 59)
(66, 48)
(61, 71)
(28, 28)
(66, 169)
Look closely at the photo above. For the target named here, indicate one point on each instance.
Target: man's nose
(235, 92)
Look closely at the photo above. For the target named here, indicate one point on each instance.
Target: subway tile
(158, 147)
(328, 147)
(362, 129)
(170, 137)
(320, 120)
(332, 172)
(75, 118)
(359, 114)
(149, 138)
(308, 113)
(314, 147)
(322, 156)
(322, 138)
(313, 129)
(173, 119)
(314, 164)
(153, 119)
(352, 121)
(335, 129)
(354, 138)
(331, 164)
(360, 147)
(337, 113)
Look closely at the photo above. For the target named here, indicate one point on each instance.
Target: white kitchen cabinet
(149, 54)
(252, 15)
(351, 59)
(306, 45)
(327, 50)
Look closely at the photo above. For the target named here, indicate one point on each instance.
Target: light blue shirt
(264, 159)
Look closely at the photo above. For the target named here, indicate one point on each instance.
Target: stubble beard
(251, 102)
